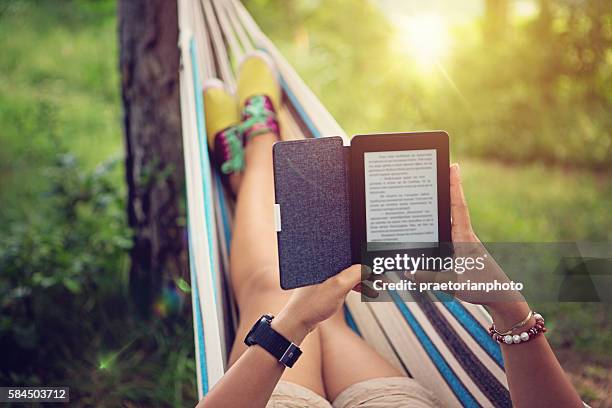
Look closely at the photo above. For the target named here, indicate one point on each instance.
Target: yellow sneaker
(259, 95)
(220, 108)
(222, 119)
(257, 75)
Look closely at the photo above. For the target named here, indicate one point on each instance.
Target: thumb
(459, 210)
(348, 278)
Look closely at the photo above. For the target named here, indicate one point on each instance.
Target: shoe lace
(254, 112)
(234, 151)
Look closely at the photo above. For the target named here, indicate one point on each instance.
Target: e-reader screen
(401, 199)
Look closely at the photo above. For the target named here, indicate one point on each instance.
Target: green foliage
(56, 262)
(59, 90)
(65, 314)
(542, 92)
(145, 364)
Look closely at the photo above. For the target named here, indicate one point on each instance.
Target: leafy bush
(65, 314)
(55, 265)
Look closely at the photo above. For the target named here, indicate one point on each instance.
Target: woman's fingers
(355, 277)
(459, 211)
(348, 278)
(366, 290)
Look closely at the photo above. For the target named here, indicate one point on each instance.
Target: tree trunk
(149, 64)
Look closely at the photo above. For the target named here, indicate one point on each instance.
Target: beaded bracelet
(525, 336)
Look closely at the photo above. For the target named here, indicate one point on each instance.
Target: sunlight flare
(525, 9)
(426, 38)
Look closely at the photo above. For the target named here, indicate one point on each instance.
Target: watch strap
(276, 344)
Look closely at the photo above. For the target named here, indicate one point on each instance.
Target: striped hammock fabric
(441, 342)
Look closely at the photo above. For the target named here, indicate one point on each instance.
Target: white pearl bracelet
(509, 338)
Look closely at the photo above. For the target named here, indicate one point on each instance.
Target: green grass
(535, 203)
(59, 91)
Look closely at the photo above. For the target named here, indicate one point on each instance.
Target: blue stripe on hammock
(227, 231)
(198, 320)
(205, 166)
(348, 316)
(491, 387)
(462, 393)
(473, 327)
(204, 161)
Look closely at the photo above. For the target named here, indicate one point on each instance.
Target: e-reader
(339, 203)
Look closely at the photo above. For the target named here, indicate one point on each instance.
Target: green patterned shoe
(224, 137)
(259, 96)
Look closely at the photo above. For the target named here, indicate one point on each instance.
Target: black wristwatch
(273, 342)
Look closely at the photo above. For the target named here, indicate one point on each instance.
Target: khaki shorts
(388, 392)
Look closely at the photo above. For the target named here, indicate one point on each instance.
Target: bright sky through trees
(423, 28)
(425, 37)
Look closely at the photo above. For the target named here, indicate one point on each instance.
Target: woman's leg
(347, 359)
(254, 261)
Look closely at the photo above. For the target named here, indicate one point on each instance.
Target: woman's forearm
(251, 380)
(535, 377)
(248, 383)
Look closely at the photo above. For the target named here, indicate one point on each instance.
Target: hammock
(441, 342)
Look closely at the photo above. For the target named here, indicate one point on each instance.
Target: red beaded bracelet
(523, 337)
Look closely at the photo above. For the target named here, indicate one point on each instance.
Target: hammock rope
(441, 342)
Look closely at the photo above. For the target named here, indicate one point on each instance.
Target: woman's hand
(467, 245)
(310, 305)
(461, 228)
(533, 373)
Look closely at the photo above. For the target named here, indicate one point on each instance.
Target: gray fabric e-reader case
(313, 210)
(316, 201)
